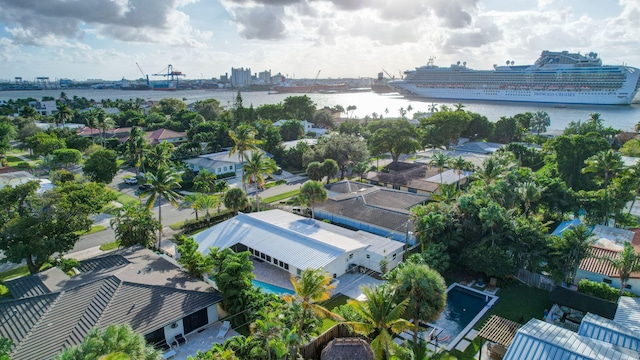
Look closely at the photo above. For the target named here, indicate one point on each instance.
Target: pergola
(500, 332)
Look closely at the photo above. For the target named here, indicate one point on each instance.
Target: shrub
(191, 226)
(600, 290)
(226, 175)
(66, 265)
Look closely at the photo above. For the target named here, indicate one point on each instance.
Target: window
(412, 190)
(396, 187)
(335, 276)
(280, 263)
(257, 253)
(394, 256)
(218, 170)
(268, 258)
(628, 287)
(286, 266)
(263, 256)
(299, 272)
(350, 256)
(368, 256)
(231, 168)
(225, 168)
(606, 281)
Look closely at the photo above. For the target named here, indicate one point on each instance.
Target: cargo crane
(143, 74)
(172, 77)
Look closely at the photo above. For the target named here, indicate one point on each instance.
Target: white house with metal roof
(295, 243)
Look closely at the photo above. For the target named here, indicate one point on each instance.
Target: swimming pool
(271, 289)
(465, 306)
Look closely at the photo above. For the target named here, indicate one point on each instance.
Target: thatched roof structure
(347, 349)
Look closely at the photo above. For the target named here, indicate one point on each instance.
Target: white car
(131, 181)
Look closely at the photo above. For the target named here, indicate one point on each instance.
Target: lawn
(124, 198)
(281, 196)
(94, 229)
(520, 303)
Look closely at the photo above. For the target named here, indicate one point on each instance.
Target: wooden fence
(314, 348)
(536, 280)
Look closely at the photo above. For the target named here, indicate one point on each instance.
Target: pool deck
(270, 274)
(202, 340)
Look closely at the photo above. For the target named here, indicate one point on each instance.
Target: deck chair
(224, 329)
(179, 340)
(492, 284)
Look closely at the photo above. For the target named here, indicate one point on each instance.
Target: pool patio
(201, 340)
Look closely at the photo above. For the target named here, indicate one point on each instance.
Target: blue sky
(82, 39)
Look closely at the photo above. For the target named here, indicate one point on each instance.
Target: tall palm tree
(440, 160)
(311, 192)
(311, 288)
(459, 106)
(163, 182)
(256, 169)
(190, 203)
(491, 170)
(207, 202)
(529, 192)
(381, 315)
(104, 123)
(235, 199)
(205, 181)
(426, 290)
(459, 164)
(266, 329)
(540, 121)
(160, 155)
(605, 164)
(137, 148)
(627, 262)
(433, 107)
(63, 114)
(244, 139)
(569, 249)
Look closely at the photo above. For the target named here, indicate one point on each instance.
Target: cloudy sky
(82, 39)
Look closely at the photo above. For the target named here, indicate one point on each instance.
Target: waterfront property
(52, 311)
(295, 243)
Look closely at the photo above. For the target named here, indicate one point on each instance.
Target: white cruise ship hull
(538, 96)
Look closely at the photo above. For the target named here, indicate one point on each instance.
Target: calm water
(388, 105)
(462, 306)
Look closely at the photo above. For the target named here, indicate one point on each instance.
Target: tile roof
(593, 263)
(499, 330)
(157, 136)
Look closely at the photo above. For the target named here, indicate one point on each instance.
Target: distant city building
(240, 77)
(224, 78)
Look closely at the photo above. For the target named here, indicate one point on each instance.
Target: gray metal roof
(26, 286)
(600, 328)
(628, 313)
(109, 262)
(298, 241)
(64, 319)
(541, 340)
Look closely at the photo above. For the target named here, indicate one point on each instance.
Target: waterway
(366, 103)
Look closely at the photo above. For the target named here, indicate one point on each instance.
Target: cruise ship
(556, 77)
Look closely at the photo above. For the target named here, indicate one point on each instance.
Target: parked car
(144, 187)
(131, 181)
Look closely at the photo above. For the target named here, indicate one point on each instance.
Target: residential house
(51, 311)
(415, 178)
(220, 162)
(308, 127)
(295, 243)
(381, 211)
(157, 136)
(45, 108)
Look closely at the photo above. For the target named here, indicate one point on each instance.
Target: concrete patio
(201, 340)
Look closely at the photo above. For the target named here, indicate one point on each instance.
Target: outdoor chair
(179, 340)
(492, 284)
(224, 329)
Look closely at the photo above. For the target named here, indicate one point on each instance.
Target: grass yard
(94, 229)
(520, 303)
(124, 198)
(281, 196)
(109, 246)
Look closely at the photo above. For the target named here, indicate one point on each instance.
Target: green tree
(160, 156)
(440, 160)
(244, 139)
(232, 273)
(163, 182)
(310, 193)
(396, 137)
(299, 107)
(314, 171)
(209, 109)
(62, 115)
(382, 316)
(67, 157)
(7, 133)
(506, 130)
(134, 225)
(569, 154)
(540, 121)
(291, 130)
(235, 199)
(426, 290)
(351, 127)
(205, 182)
(103, 123)
(345, 150)
(137, 148)
(170, 106)
(311, 288)
(606, 165)
(207, 202)
(459, 164)
(36, 226)
(568, 250)
(329, 168)
(101, 166)
(115, 340)
(42, 143)
(626, 263)
(256, 169)
(192, 259)
(445, 127)
(5, 348)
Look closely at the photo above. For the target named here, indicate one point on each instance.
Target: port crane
(170, 74)
(389, 75)
(143, 74)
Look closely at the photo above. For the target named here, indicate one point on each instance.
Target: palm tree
(205, 181)
(163, 183)
(426, 290)
(541, 121)
(569, 249)
(491, 170)
(440, 160)
(104, 123)
(114, 340)
(381, 315)
(627, 262)
(257, 168)
(63, 114)
(459, 164)
(433, 107)
(529, 192)
(137, 148)
(310, 193)
(244, 139)
(29, 112)
(160, 155)
(459, 106)
(605, 164)
(312, 287)
(266, 329)
(235, 199)
(207, 202)
(447, 193)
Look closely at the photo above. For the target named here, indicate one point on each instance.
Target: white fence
(536, 280)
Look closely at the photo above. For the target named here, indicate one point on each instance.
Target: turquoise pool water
(271, 289)
(463, 305)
